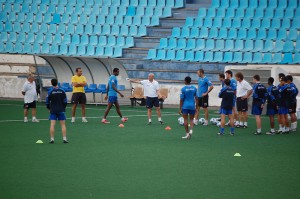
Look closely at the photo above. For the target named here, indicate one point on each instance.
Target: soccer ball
(218, 124)
(213, 121)
(181, 121)
(201, 121)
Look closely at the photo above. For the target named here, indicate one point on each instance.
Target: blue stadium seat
(158, 11)
(137, 21)
(179, 4)
(246, 23)
(217, 22)
(4, 36)
(45, 49)
(75, 39)
(282, 4)
(52, 29)
(198, 22)
(172, 43)
(72, 50)
(66, 39)
(57, 39)
(269, 12)
(65, 18)
(115, 30)
(228, 56)
(224, 3)
(222, 33)
(286, 23)
(209, 44)
(9, 47)
(36, 49)
(296, 58)
(133, 31)
(227, 23)
(163, 43)
(151, 54)
(90, 51)
(21, 17)
(215, 4)
(257, 23)
(30, 38)
(252, 34)
(200, 44)
(267, 58)
(272, 34)
(18, 48)
(101, 88)
(266, 23)
(277, 58)
(279, 13)
(185, 32)
(247, 57)
(154, 21)
(39, 38)
(220, 13)
(128, 20)
(152, 3)
(180, 55)
(194, 32)
(278, 46)
(199, 56)
(281, 34)
(21, 37)
(201, 12)
(149, 11)
(242, 33)
(117, 52)
(207, 22)
(48, 38)
(220, 44)
(250, 13)
(268, 47)
(189, 56)
(176, 32)
(99, 51)
(258, 46)
(218, 57)
(291, 14)
(240, 12)
(203, 33)
(66, 87)
(263, 3)
(8, 27)
(102, 41)
(296, 23)
(249, 45)
(70, 29)
(111, 41)
(287, 58)
(170, 55)
(208, 56)
(12, 17)
(297, 47)
(239, 45)
(229, 45)
(97, 29)
(257, 58)
(140, 11)
(236, 23)
(230, 13)
(213, 33)
(110, 19)
(161, 55)
(262, 34)
(88, 29)
(121, 87)
(232, 33)
(293, 4)
(27, 48)
(181, 44)
(84, 40)
(288, 46)
(106, 29)
(161, 3)
(81, 50)
(121, 42)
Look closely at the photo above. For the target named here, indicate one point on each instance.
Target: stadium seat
(242, 33)
(249, 14)
(279, 13)
(252, 34)
(27, 48)
(90, 50)
(232, 33)
(189, 56)
(163, 43)
(296, 58)
(249, 45)
(267, 58)
(176, 32)
(217, 22)
(238, 45)
(296, 23)
(121, 87)
(297, 47)
(207, 22)
(229, 45)
(72, 50)
(66, 87)
(66, 39)
(247, 57)
(240, 12)
(230, 13)
(172, 43)
(220, 13)
(99, 51)
(201, 13)
(293, 4)
(268, 46)
(194, 32)
(36, 49)
(281, 34)
(277, 58)
(211, 13)
(203, 33)
(181, 44)
(91, 88)
(170, 55)
(4, 36)
(287, 58)
(272, 34)
(237, 57)
(21, 37)
(278, 46)
(220, 44)
(286, 23)
(45, 49)
(282, 4)
(292, 35)
(200, 44)
(209, 45)
(151, 54)
(161, 55)
(199, 56)
(258, 46)
(262, 34)
(257, 58)
(208, 56)
(218, 57)
(18, 48)
(222, 33)
(288, 46)
(228, 56)
(179, 55)
(48, 38)
(227, 23)
(191, 44)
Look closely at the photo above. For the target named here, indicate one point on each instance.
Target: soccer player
(78, 97)
(222, 78)
(30, 98)
(293, 105)
(188, 99)
(244, 90)
(284, 99)
(204, 87)
(56, 102)
(112, 96)
(227, 95)
(281, 76)
(259, 98)
(152, 94)
(272, 104)
(233, 85)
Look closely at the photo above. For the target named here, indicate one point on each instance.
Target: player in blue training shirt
(259, 98)
(293, 105)
(284, 100)
(227, 95)
(204, 87)
(280, 76)
(222, 78)
(112, 96)
(272, 104)
(233, 85)
(188, 99)
(56, 102)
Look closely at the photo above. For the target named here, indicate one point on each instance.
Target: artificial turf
(140, 161)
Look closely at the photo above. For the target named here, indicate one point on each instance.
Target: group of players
(281, 102)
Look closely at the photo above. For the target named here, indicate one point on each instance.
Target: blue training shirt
(295, 92)
(227, 95)
(112, 81)
(56, 100)
(203, 84)
(233, 84)
(188, 94)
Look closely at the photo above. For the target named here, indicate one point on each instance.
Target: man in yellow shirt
(78, 83)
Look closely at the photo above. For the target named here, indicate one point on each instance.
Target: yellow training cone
(39, 142)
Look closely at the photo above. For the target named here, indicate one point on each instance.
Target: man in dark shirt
(56, 102)
(272, 104)
(227, 95)
(293, 104)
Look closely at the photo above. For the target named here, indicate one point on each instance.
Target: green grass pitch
(140, 161)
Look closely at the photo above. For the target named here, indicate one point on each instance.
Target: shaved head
(151, 77)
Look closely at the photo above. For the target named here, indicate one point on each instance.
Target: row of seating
(236, 33)
(230, 45)
(255, 3)
(67, 50)
(41, 19)
(84, 40)
(84, 10)
(268, 13)
(151, 3)
(117, 30)
(91, 88)
(243, 23)
(227, 57)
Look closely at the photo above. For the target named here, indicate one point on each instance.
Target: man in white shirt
(244, 90)
(152, 94)
(30, 98)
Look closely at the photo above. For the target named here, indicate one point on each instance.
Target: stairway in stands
(166, 71)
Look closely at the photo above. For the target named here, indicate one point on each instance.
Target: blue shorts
(112, 99)
(283, 110)
(225, 111)
(256, 109)
(152, 101)
(188, 111)
(271, 111)
(57, 116)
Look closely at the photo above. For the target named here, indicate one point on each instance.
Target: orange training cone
(168, 128)
(121, 125)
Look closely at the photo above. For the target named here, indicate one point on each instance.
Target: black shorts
(242, 104)
(30, 105)
(292, 108)
(78, 98)
(203, 101)
(152, 101)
